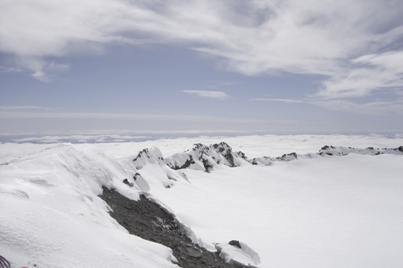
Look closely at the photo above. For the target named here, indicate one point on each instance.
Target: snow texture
(304, 209)
(52, 216)
(238, 252)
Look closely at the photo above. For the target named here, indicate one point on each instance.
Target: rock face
(206, 158)
(150, 221)
(340, 151)
(148, 156)
(262, 161)
(152, 159)
(288, 157)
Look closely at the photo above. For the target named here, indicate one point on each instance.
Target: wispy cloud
(377, 107)
(368, 73)
(23, 108)
(371, 108)
(207, 94)
(279, 100)
(4, 69)
(345, 41)
(154, 117)
(40, 69)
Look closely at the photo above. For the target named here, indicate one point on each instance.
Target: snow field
(322, 212)
(331, 211)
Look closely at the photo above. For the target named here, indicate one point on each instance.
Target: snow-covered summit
(148, 156)
(151, 161)
(206, 158)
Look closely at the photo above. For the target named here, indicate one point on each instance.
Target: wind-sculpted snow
(52, 215)
(302, 211)
(237, 252)
(152, 161)
(148, 156)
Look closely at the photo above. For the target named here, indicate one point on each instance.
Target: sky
(201, 67)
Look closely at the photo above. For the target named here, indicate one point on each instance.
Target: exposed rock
(225, 150)
(288, 157)
(208, 158)
(262, 161)
(341, 151)
(125, 181)
(235, 243)
(149, 220)
(202, 157)
(148, 156)
(190, 250)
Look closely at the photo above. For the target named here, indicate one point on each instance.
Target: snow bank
(237, 252)
(52, 217)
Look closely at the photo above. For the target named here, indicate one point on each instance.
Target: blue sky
(122, 67)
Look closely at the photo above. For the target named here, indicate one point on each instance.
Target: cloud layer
(377, 107)
(207, 94)
(356, 45)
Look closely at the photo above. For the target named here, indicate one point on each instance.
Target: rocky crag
(150, 221)
(207, 158)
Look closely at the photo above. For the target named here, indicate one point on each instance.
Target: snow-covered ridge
(208, 158)
(152, 156)
(52, 215)
(331, 150)
(327, 151)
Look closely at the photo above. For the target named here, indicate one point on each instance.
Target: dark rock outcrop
(341, 151)
(150, 221)
(202, 157)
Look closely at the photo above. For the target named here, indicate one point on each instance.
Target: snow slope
(314, 211)
(51, 215)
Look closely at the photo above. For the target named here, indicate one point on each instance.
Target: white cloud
(22, 107)
(377, 107)
(279, 100)
(154, 117)
(370, 108)
(326, 37)
(368, 73)
(207, 94)
(10, 69)
(41, 70)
